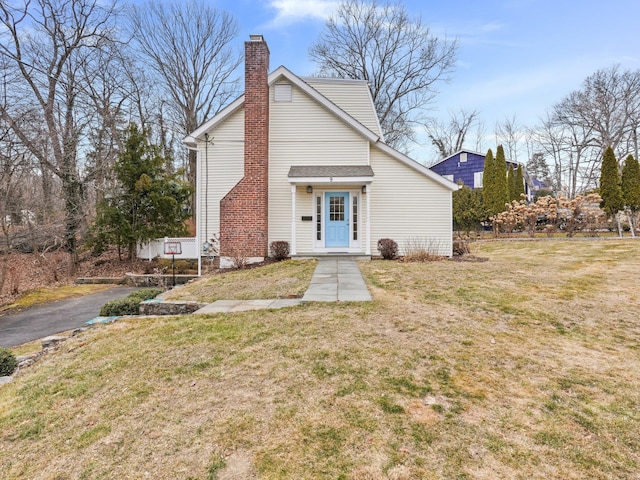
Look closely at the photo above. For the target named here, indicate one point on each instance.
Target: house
(304, 160)
(467, 167)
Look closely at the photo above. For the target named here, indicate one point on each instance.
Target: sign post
(173, 249)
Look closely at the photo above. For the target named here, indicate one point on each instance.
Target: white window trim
(355, 246)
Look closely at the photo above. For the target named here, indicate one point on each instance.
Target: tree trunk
(619, 225)
(632, 227)
(73, 196)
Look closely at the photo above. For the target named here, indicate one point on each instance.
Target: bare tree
(607, 105)
(509, 133)
(13, 166)
(450, 138)
(63, 35)
(188, 45)
(604, 112)
(399, 57)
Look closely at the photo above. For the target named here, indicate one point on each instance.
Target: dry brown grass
(522, 367)
(287, 279)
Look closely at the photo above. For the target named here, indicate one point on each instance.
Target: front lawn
(288, 279)
(522, 367)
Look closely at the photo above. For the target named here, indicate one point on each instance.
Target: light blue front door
(336, 219)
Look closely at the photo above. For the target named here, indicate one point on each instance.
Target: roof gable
(352, 96)
(374, 139)
(278, 74)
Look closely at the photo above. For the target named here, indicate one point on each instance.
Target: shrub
(8, 362)
(181, 266)
(121, 306)
(388, 248)
(279, 250)
(461, 247)
(129, 305)
(145, 293)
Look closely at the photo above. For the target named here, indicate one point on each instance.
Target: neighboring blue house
(467, 167)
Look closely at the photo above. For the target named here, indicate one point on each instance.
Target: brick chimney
(244, 210)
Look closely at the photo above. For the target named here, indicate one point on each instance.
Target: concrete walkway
(334, 280)
(337, 280)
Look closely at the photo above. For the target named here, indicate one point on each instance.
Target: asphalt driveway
(55, 317)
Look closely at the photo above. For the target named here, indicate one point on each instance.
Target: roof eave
(418, 166)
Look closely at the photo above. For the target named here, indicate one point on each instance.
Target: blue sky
(516, 57)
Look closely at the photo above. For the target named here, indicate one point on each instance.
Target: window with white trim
(477, 179)
(318, 218)
(355, 217)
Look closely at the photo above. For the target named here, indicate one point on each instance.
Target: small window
(355, 217)
(282, 92)
(449, 177)
(463, 157)
(318, 218)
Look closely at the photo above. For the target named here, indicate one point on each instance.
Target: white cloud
(292, 11)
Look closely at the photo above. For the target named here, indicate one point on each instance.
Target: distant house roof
(458, 153)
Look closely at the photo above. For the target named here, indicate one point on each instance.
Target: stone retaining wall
(156, 280)
(169, 307)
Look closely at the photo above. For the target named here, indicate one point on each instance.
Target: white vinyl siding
(226, 169)
(351, 96)
(406, 206)
(302, 132)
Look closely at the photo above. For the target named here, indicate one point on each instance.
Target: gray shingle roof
(330, 171)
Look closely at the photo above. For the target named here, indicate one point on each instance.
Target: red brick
(244, 210)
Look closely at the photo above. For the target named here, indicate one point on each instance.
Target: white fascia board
(351, 81)
(329, 180)
(324, 101)
(208, 125)
(417, 166)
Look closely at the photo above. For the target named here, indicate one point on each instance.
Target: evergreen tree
(502, 191)
(148, 203)
(511, 183)
(538, 168)
(631, 184)
(468, 209)
(519, 187)
(610, 189)
(488, 183)
(631, 189)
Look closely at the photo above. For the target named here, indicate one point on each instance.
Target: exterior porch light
(309, 189)
(364, 189)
